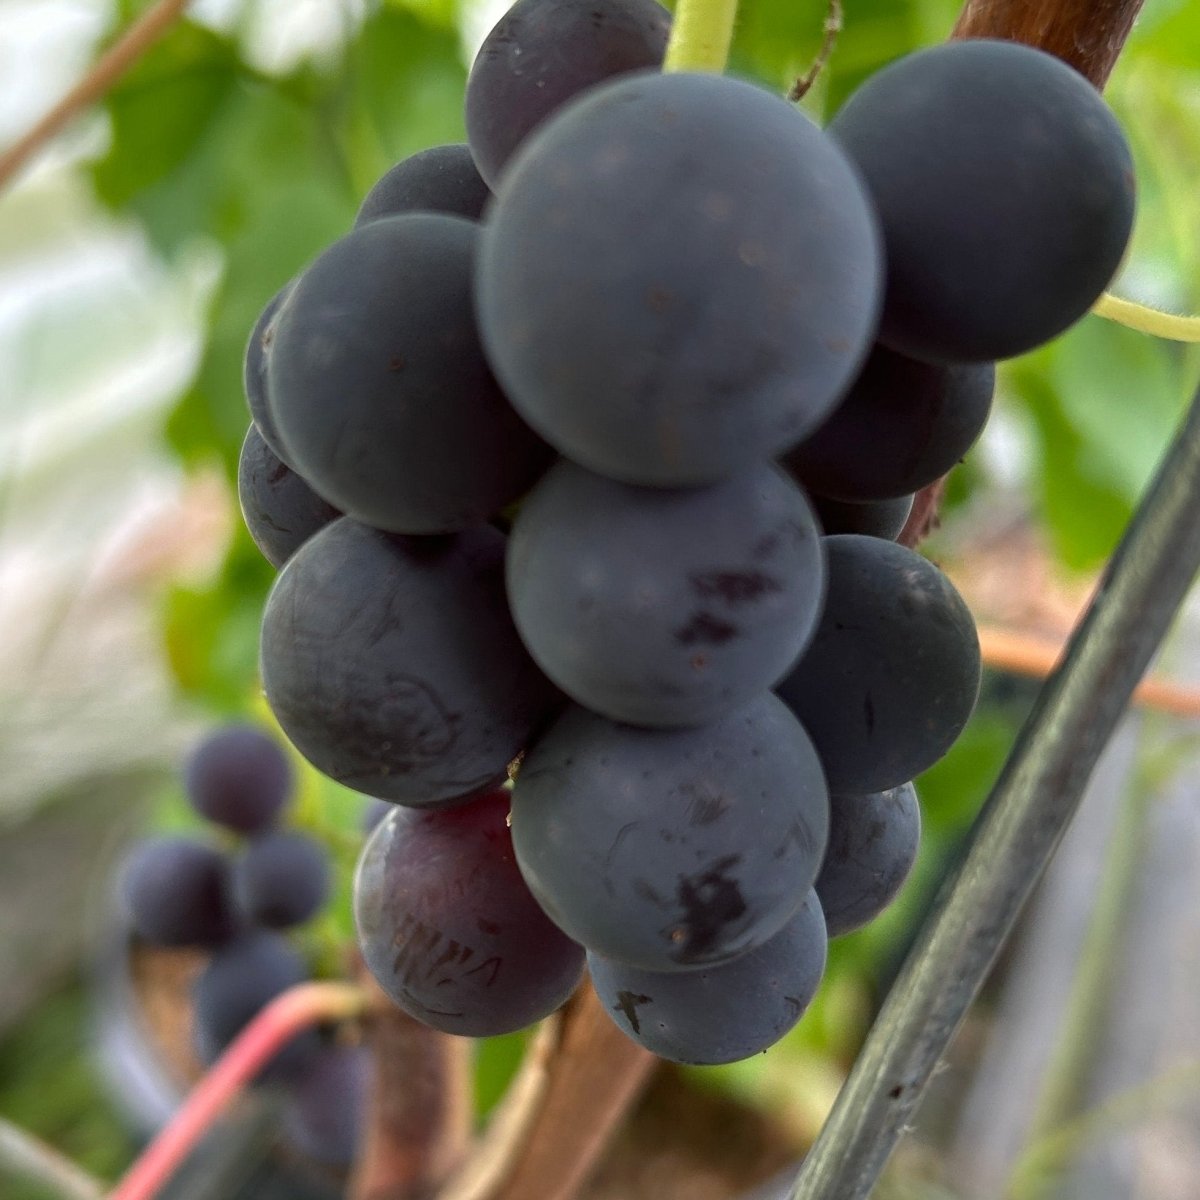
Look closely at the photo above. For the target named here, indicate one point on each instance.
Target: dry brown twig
(831, 29)
(104, 73)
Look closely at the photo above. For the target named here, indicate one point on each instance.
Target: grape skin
(540, 54)
(671, 849)
(379, 387)
(678, 278)
(873, 518)
(441, 179)
(873, 844)
(254, 373)
(725, 1013)
(175, 893)
(239, 777)
(902, 425)
(326, 1109)
(280, 510)
(891, 675)
(393, 665)
(1005, 188)
(635, 618)
(240, 980)
(448, 927)
(282, 879)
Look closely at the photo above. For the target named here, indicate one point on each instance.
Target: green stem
(1147, 320)
(701, 34)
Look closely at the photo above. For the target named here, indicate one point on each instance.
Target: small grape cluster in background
(235, 896)
(587, 446)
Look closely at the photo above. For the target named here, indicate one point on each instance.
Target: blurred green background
(134, 256)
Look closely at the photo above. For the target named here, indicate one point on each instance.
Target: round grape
(891, 675)
(873, 844)
(672, 849)
(280, 510)
(254, 372)
(441, 179)
(239, 777)
(901, 426)
(393, 665)
(1005, 188)
(282, 879)
(379, 387)
(635, 617)
(724, 1013)
(873, 518)
(542, 53)
(448, 927)
(678, 279)
(176, 893)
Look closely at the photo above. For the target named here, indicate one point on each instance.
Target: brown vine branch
(105, 72)
(419, 1112)
(592, 1075)
(831, 29)
(1087, 34)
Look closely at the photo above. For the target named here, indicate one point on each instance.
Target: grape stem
(830, 31)
(701, 34)
(291, 1013)
(593, 1074)
(1147, 320)
(105, 72)
(1018, 830)
(418, 1118)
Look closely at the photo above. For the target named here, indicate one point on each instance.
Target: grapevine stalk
(701, 34)
(1024, 818)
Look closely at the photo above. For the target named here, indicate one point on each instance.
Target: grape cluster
(584, 452)
(182, 891)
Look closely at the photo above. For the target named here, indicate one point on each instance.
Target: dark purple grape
(891, 676)
(240, 980)
(379, 387)
(873, 518)
(280, 510)
(254, 373)
(441, 179)
(873, 844)
(326, 1111)
(239, 777)
(672, 849)
(448, 927)
(542, 53)
(1005, 188)
(901, 426)
(393, 665)
(636, 617)
(176, 893)
(724, 1013)
(282, 878)
(678, 279)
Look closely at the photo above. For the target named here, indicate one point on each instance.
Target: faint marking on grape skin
(705, 628)
(734, 587)
(486, 926)
(627, 1005)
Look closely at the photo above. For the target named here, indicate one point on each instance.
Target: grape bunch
(584, 454)
(186, 892)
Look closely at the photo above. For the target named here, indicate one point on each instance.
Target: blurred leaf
(211, 632)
